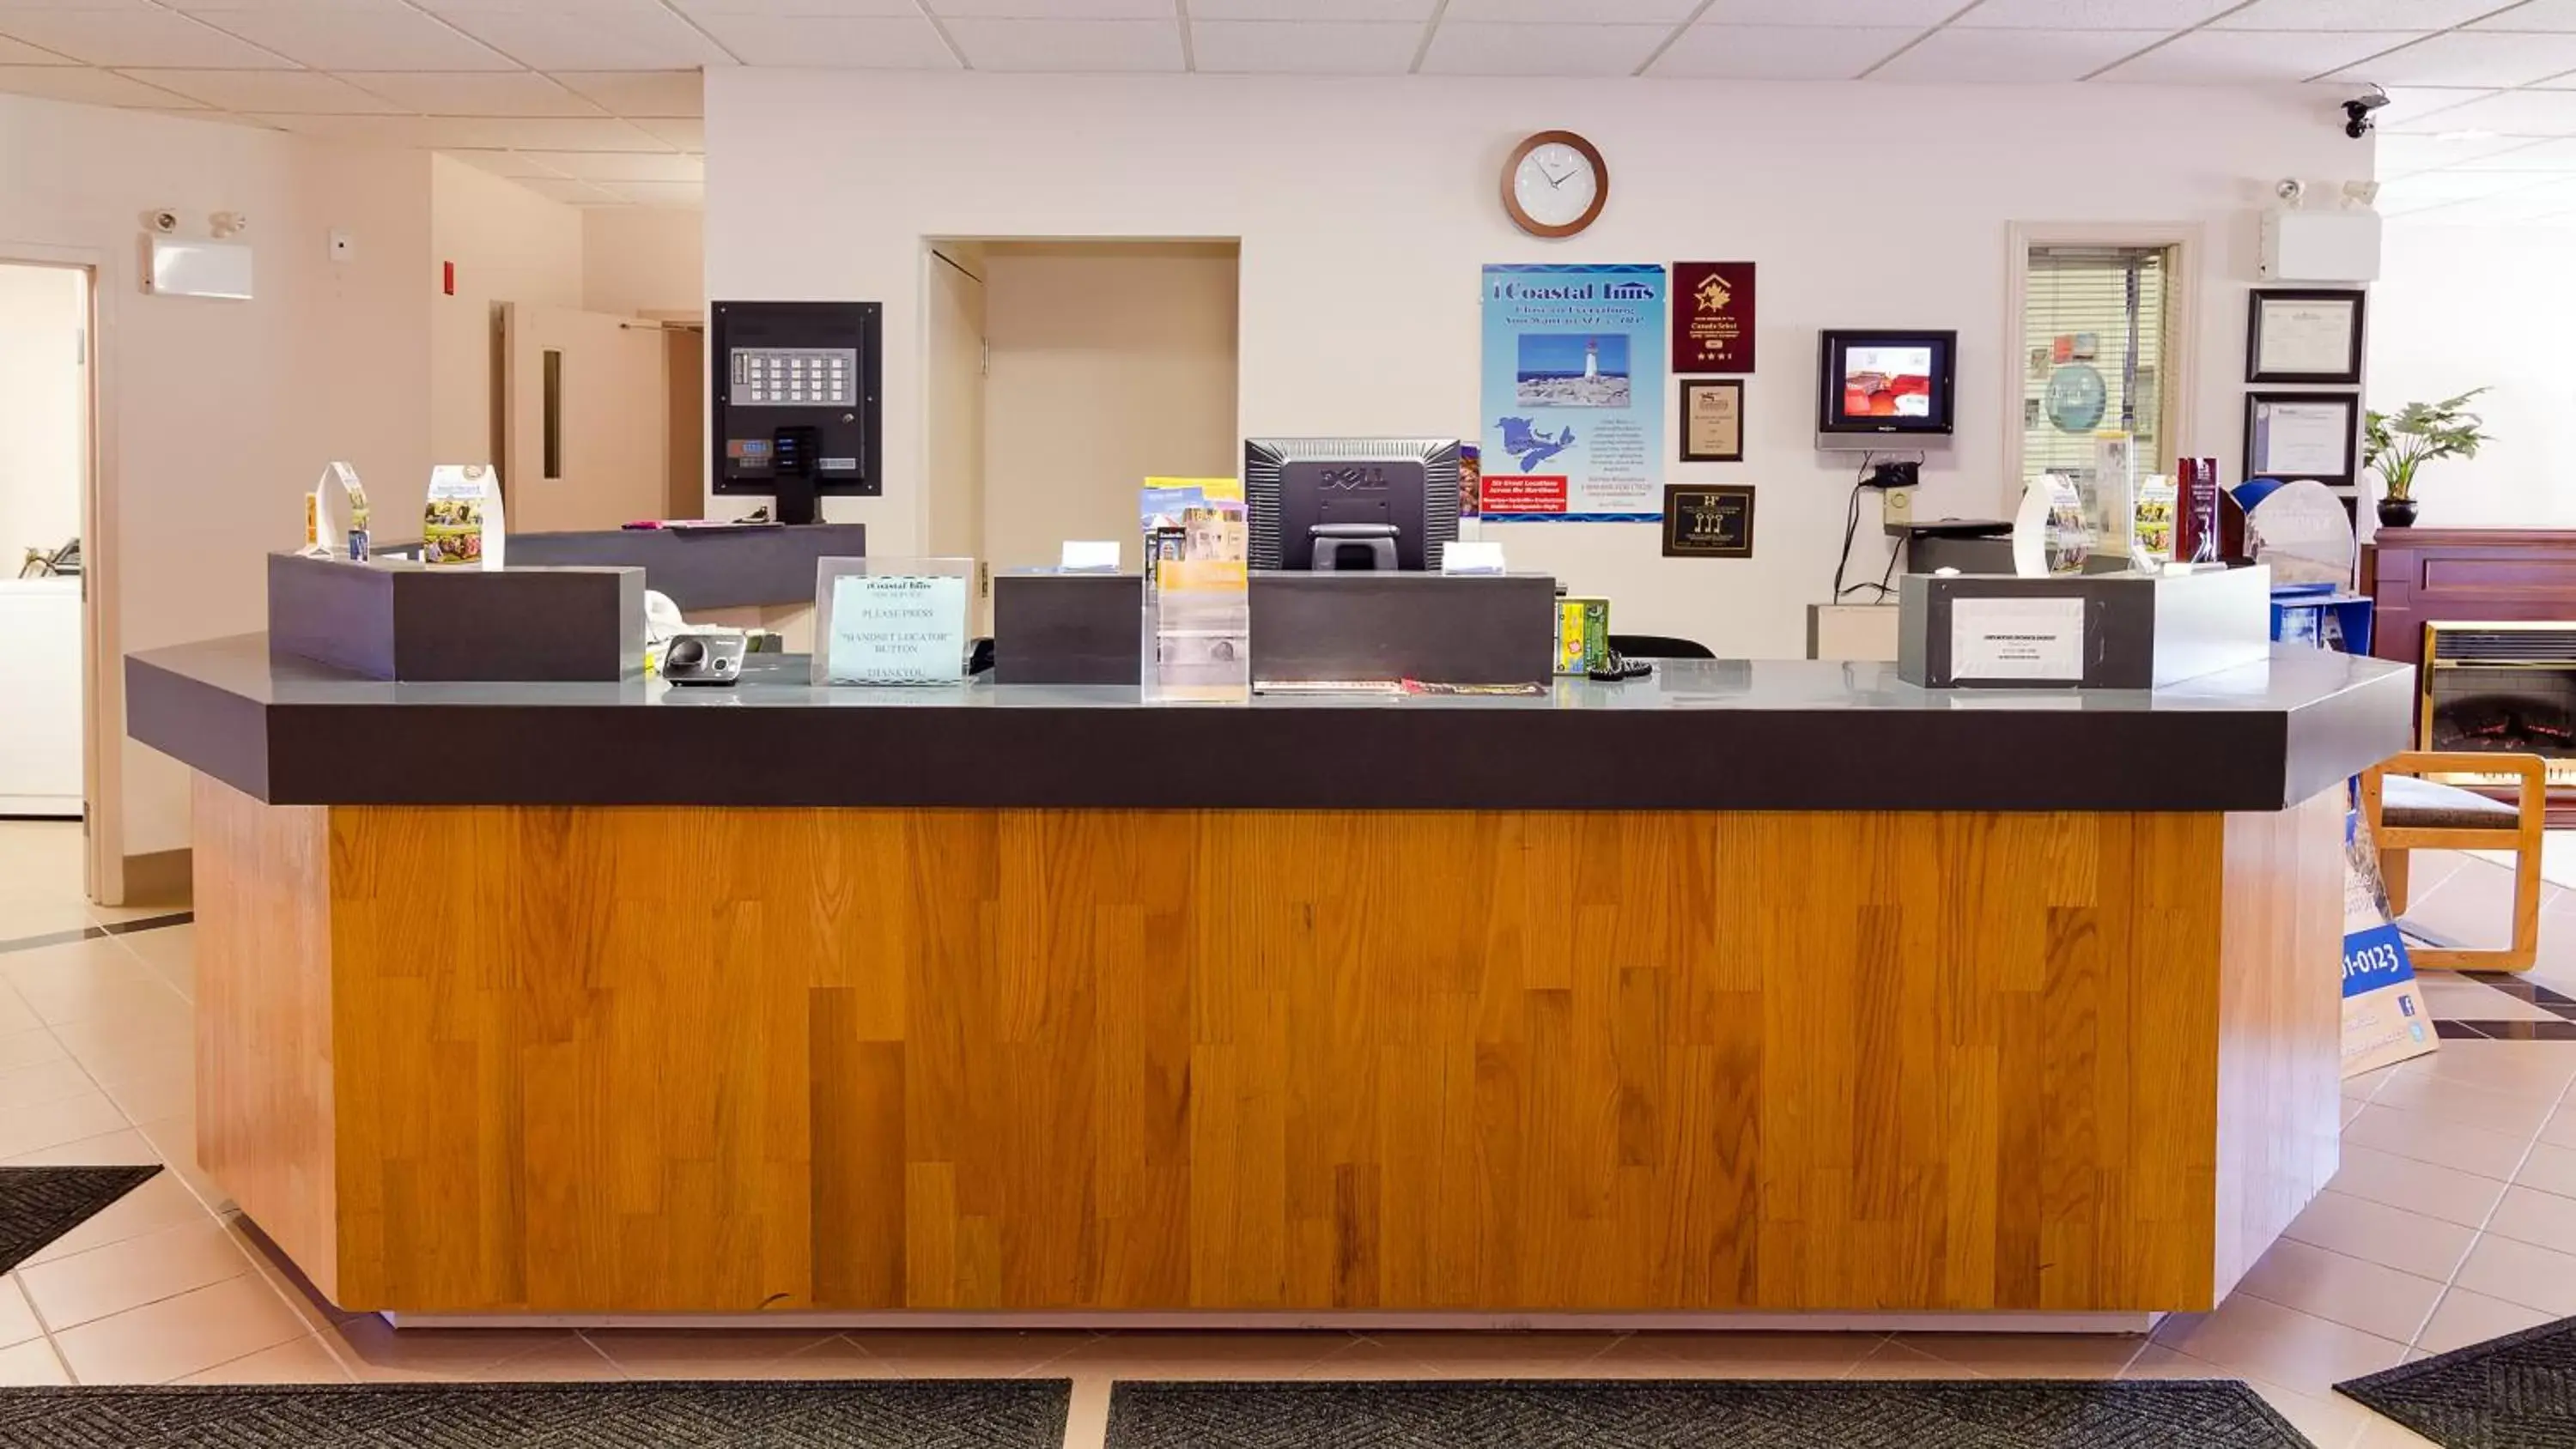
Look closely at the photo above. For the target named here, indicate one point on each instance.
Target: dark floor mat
(2515, 1392)
(1587, 1414)
(40, 1204)
(893, 1414)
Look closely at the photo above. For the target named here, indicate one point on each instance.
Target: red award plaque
(1712, 317)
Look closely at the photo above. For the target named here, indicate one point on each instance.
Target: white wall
(1110, 363)
(643, 261)
(2459, 307)
(223, 413)
(1365, 208)
(508, 244)
(44, 409)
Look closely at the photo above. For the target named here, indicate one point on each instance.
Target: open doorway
(46, 459)
(1062, 374)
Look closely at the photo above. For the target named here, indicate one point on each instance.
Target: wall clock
(1555, 183)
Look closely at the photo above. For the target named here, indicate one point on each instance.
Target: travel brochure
(462, 525)
(1196, 550)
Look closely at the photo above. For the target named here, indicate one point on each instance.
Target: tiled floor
(2454, 1219)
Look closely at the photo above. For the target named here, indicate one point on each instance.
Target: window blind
(2095, 335)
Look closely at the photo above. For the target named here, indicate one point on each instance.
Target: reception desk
(1749, 987)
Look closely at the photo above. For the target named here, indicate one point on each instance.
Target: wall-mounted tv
(1882, 389)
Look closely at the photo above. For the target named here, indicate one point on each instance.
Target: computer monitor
(1883, 389)
(1350, 503)
(796, 404)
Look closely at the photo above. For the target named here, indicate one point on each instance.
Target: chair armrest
(2531, 784)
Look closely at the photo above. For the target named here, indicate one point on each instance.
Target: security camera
(228, 223)
(164, 222)
(2357, 121)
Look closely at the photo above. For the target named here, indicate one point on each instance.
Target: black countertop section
(1721, 735)
(704, 568)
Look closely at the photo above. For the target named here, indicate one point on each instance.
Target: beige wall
(509, 245)
(44, 410)
(221, 414)
(1110, 363)
(643, 260)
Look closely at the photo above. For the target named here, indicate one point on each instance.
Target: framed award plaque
(1708, 522)
(1713, 420)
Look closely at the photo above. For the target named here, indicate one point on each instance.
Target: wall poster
(1573, 392)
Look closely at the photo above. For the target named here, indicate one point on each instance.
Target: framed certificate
(1713, 420)
(2304, 336)
(2292, 435)
(1708, 522)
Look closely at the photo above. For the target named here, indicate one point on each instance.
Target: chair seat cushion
(2407, 803)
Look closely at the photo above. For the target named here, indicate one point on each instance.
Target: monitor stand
(795, 500)
(1329, 539)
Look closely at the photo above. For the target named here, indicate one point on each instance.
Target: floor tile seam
(50, 1327)
(2451, 1284)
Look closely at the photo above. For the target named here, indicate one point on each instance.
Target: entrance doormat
(1586, 1414)
(2514, 1392)
(40, 1204)
(894, 1414)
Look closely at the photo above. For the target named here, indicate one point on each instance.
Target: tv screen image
(1887, 382)
(1572, 370)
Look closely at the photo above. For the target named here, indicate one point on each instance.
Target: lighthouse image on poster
(1591, 358)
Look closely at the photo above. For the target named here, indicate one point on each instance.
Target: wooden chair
(2407, 812)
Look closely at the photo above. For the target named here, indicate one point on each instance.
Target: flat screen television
(1882, 388)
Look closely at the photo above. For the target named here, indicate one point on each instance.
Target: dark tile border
(93, 932)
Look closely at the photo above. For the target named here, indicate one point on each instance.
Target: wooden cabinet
(2423, 576)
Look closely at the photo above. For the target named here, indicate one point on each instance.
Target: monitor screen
(1886, 382)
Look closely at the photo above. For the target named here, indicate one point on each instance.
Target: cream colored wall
(508, 245)
(955, 303)
(221, 414)
(640, 260)
(1110, 363)
(44, 409)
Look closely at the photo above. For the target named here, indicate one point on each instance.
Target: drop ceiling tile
(1306, 47)
(2355, 14)
(2549, 207)
(283, 91)
(509, 164)
(1569, 50)
(621, 166)
(474, 93)
(1829, 12)
(2165, 15)
(2536, 15)
(1781, 52)
(363, 130)
(2502, 153)
(2410, 108)
(641, 92)
(655, 40)
(1068, 45)
(1055, 9)
(2508, 113)
(2406, 155)
(14, 52)
(1312, 9)
(539, 133)
(133, 37)
(657, 193)
(2206, 57)
(2440, 188)
(2029, 56)
(2473, 58)
(537, 7)
(338, 40)
(90, 87)
(9, 5)
(865, 9)
(1572, 12)
(570, 192)
(684, 134)
(219, 7)
(858, 42)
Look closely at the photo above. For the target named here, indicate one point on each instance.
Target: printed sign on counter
(897, 629)
(2036, 639)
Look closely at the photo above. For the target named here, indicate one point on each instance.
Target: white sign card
(1471, 557)
(1089, 556)
(897, 629)
(2037, 639)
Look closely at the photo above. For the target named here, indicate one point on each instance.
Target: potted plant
(2396, 445)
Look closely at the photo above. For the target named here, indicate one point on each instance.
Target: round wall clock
(1555, 184)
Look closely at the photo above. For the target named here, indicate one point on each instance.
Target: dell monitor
(1346, 504)
(1886, 389)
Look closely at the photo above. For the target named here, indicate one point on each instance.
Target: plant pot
(2396, 512)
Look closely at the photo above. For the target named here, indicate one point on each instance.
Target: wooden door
(585, 436)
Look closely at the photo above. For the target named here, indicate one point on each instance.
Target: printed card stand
(2384, 1020)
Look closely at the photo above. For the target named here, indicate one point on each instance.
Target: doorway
(47, 461)
(1062, 375)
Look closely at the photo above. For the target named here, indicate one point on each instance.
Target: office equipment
(797, 402)
(704, 656)
(1883, 389)
(1338, 504)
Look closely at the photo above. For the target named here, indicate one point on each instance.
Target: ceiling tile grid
(597, 102)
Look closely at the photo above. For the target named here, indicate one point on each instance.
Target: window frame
(2180, 361)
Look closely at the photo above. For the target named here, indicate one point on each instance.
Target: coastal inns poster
(1573, 394)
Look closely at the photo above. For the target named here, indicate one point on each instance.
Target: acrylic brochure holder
(891, 621)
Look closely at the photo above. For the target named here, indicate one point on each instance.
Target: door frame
(102, 679)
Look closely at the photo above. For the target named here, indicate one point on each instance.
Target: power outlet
(1895, 509)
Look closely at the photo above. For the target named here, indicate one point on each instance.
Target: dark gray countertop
(1723, 735)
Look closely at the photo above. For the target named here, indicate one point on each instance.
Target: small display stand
(2323, 615)
(890, 620)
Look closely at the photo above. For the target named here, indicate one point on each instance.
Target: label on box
(2039, 639)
